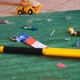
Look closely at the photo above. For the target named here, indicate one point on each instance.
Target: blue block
(23, 37)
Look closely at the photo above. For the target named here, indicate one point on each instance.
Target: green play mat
(30, 67)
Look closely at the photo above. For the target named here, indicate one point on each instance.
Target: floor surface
(9, 7)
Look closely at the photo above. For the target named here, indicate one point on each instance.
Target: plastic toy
(5, 22)
(28, 9)
(49, 19)
(77, 44)
(29, 28)
(69, 17)
(72, 32)
(14, 38)
(30, 41)
(52, 32)
(60, 52)
(61, 65)
(67, 39)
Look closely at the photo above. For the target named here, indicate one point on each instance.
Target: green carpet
(29, 67)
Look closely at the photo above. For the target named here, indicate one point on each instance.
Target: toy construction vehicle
(28, 9)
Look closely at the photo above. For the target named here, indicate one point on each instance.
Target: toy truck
(28, 9)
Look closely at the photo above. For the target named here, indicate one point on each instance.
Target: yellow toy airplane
(28, 9)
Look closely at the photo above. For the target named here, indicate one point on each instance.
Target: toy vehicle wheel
(20, 12)
(30, 11)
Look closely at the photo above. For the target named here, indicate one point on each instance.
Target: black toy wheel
(20, 12)
(30, 11)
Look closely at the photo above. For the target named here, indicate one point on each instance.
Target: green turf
(29, 67)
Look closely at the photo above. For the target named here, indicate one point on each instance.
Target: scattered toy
(6, 22)
(67, 39)
(77, 44)
(72, 32)
(52, 32)
(14, 38)
(61, 65)
(29, 28)
(30, 41)
(30, 21)
(3, 21)
(49, 20)
(28, 9)
(69, 17)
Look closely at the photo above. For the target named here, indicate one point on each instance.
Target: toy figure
(72, 32)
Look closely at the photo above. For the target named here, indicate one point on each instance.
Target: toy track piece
(20, 12)
(30, 11)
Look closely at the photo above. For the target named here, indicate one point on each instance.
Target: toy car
(28, 9)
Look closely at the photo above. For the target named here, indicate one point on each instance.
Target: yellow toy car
(28, 9)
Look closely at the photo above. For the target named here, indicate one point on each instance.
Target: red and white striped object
(32, 42)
